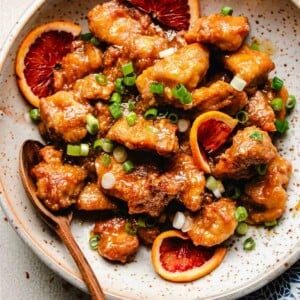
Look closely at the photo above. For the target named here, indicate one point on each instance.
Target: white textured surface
(22, 275)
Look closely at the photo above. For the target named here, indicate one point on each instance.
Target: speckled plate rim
(61, 269)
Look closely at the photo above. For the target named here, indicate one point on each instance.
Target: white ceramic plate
(276, 24)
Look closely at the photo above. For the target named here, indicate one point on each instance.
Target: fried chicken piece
(157, 135)
(92, 198)
(136, 187)
(268, 192)
(115, 24)
(250, 65)
(88, 88)
(251, 147)
(115, 243)
(225, 32)
(187, 66)
(63, 118)
(260, 112)
(220, 95)
(214, 224)
(104, 117)
(84, 59)
(58, 184)
(184, 181)
(147, 235)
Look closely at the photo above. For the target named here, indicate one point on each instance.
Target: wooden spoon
(60, 223)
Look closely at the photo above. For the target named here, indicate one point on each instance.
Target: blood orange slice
(177, 15)
(209, 131)
(177, 259)
(39, 53)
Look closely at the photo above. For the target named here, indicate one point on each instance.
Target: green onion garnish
(95, 41)
(291, 102)
(151, 113)
(105, 159)
(119, 86)
(282, 126)
(233, 192)
(242, 228)
(120, 154)
(254, 46)
(156, 88)
(249, 244)
(97, 144)
(271, 223)
(116, 97)
(128, 166)
(94, 241)
(127, 69)
(131, 118)
(256, 136)
(131, 105)
(180, 92)
(242, 117)
(261, 169)
(276, 83)
(101, 79)
(241, 213)
(107, 145)
(86, 36)
(130, 228)
(129, 80)
(78, 150)
(92, 124)
(173, 118)
(277, 104)
(141, 222)
(115, 110)
(35, 114)
(226, 11)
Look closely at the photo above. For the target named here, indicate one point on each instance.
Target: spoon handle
(88, 275)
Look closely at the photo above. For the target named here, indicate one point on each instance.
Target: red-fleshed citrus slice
(41, 50)
(209, 131)
(177, 259)
(177, 15)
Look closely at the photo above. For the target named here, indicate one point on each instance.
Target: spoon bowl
(59, 222)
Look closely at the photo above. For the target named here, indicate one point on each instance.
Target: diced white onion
(108, 180)
(187, 224)
(238, 83)
(167, 52)
(183, 125)
(178, 220)
(120, 154)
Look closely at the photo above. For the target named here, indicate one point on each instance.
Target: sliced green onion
(115, 110)
(180, 92)
(141, 222)
(131, 118)
(255, 135)
(261, 169)
(105, 159)
(173, 118)
(254, 46)
(101, 79)
(95, 41)
(242, 228)
(108, 180)
(291, 102)
(92, 124)
(120, 154)
(127, 68)
(78, 150)
(107, 145)
(282, 126)
(151, 113)
(215, 186)
(86, 36)
(226, 11)
(116, 97)
(233, 192)
(271, 223)
(97, 144)
(242, 117)
(183, 125)
(119, 86)
(35, 115)
(238, 83)
(129, 80)
(94, 241)
(130, 228)
(156, 88)
(276, 83)
(128, 166)
(277, 104)
(249, 244)
(241, 213)
(131, 105)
